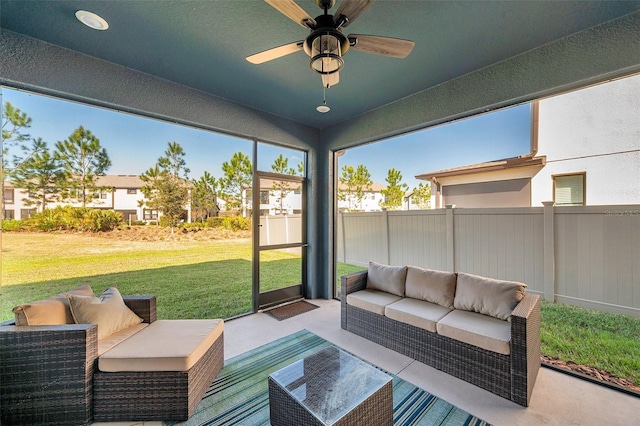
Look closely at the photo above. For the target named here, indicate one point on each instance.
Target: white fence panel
(501, 243)
(418, 238)
(281, 229)
(362, 237)
(598, 256)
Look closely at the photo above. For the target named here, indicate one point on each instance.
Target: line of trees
(355, 185)
(71, 169)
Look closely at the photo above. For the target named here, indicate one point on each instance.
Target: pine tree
(83, 160)
(395, 190)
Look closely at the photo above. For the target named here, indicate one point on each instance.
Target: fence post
(549, 252)
(451, 251)
(385, 217)
(344, 239)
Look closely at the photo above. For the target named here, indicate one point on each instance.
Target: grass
(598, 339)
(212, 278)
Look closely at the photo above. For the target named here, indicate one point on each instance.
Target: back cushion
(52, 311)
(386, 278)
(487, 296)
(108, 311)
(431, 285)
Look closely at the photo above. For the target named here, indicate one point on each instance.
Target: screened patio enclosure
(186, 65)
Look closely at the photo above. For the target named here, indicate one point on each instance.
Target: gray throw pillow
(433, 286)
(487, 296)
(108, 311)
(385, 278)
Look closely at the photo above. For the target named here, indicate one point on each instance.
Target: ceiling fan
(326, 44)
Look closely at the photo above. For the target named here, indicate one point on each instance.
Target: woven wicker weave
(510, 376)
(46, 374)
(156, 395)
(49, 376)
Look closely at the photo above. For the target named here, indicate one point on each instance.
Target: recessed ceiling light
(92, 20)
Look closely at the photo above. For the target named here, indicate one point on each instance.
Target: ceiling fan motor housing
(325, 3)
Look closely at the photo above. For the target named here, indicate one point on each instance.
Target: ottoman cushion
(165, 345)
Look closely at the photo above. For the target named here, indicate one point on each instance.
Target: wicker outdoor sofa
(421, 317)
(156, 370)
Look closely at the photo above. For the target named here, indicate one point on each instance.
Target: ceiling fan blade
(351, 9)
(329, 80)
(291, 10)
(386, 46)
(275, 53)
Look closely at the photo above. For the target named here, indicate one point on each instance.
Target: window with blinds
(569, 190)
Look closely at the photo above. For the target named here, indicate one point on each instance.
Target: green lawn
(205, 279)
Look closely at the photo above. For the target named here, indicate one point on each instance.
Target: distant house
(370, 201)
(121, 193)
(585, 150)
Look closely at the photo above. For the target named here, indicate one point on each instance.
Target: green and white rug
(239, 395)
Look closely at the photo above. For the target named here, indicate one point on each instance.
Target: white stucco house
(122, 193)
(370, 201)
(585, 150)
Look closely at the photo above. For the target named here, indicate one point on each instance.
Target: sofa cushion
(386, 278)
(165, 345)
(478, 330)
(487, 296)
(371, 300)
(431, 285)
(52, 311)
(108, 311)
(118, 337)
(418, 313)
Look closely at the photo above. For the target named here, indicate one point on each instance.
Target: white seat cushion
(417, 313)
(371, 300)
(165, 345)
(478, 330)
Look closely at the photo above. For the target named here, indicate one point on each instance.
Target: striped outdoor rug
(239, 395)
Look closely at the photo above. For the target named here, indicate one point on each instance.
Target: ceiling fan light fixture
(326, 54)
(92, 20)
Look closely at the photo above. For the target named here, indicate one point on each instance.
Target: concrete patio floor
(558, 399)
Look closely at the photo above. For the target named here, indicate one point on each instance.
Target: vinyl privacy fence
(586, 256)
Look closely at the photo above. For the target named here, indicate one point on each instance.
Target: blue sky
(135, 143)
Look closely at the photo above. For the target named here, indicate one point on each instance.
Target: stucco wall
(597, 131)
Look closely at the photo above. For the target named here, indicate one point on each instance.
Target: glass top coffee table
(330, 387)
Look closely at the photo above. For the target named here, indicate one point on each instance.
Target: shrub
(214, 222)
(236, 223)
(165, 222)
(101, 220)
(9, 225)
(76, 219)
(194, 225)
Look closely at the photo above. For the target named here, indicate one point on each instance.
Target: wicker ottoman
(160, 373)
(330, 387)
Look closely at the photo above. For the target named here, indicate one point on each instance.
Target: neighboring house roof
(120, 181)
(491, 166)
(375, 187)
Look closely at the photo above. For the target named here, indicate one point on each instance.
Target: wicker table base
(330, 387)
